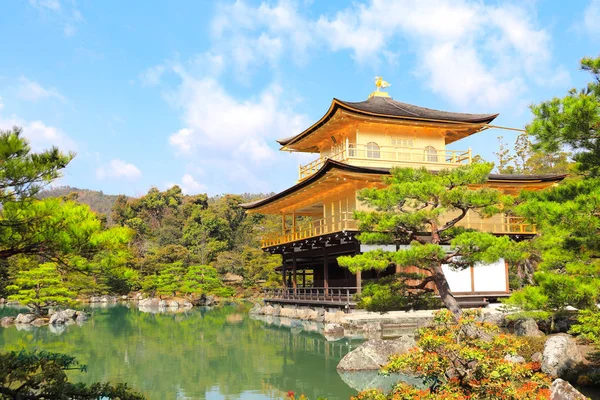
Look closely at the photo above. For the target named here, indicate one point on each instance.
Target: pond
(197, 354)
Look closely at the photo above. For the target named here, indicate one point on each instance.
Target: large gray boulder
(527, 327)
(23, 319)
(561, 355)
(59, 318)
(494, 317)
(373, 354)
(7, 321)
(80, 317)
(268, 310)
(276, 310)
(255, 309)
(39, 322)
(70, 313)
(562, 390)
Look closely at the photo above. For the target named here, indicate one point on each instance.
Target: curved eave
(338, 104)
(327, 166)
(331, 164)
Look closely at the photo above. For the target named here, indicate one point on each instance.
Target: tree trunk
(444, 291)
(440, 279)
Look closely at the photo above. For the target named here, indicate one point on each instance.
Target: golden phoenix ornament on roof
(380, 83)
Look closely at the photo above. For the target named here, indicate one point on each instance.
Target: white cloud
(183, 140)
(32, 91)
(216, 120)
(40, 135)
(467, 52)
(151, 76)
(592, 18)
(118, 169)
(496, 52)
(69, 30)
(64, 14)
(189, 185)
(252, 36)
(53, 5)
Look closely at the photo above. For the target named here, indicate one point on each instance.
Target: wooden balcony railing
(389, 155)
(505, 225)
(315, 227)
(310, 294)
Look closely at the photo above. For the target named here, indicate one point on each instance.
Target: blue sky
(155, 93)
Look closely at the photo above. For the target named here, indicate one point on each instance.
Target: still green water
(197, 354)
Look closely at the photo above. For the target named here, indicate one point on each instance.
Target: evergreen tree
(567, 216)
(40, 288)
(411, 208)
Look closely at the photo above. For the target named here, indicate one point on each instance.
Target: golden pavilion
(356, 144)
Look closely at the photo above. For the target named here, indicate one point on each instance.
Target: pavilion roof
(494, 180)
(386, 107)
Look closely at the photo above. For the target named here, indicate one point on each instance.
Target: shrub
(392, 293)
(42, 375)
(588, 326)
(465, 360)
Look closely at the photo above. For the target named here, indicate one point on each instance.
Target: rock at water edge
(24, 319)
(373, 354)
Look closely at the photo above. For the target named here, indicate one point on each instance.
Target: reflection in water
(196, 354)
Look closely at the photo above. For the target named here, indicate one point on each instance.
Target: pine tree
(567, 216)
(410, 209)
(40, 288)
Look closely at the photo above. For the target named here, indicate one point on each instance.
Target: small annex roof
(386, 107)
(331, 164)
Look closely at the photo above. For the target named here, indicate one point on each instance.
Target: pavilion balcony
(389, 156)
(499, 225)
(313, 228)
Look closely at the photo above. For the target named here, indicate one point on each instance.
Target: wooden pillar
(283, 227)
(358, 281)
(325, 269)
(283, 274)
(294, 283)
(294, 225)
(304, 277)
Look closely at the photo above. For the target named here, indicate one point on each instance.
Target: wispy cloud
(40, 135)
(32, 91)
(64, 13)
(53, 5)
(592, 18)
(118, 169)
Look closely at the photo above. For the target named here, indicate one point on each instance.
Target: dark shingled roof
(330, 164)
(390, 108)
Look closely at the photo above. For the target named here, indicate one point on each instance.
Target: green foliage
(172, 228)
(455, 364)
(572, 121)
(415, 201)
(42, 375)
(177, 278)
(567, 216)
(251, 263)
(23, 173)
(393, 293)
(98, 201)
(40, 288)
(588, 326)
(525, 159)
